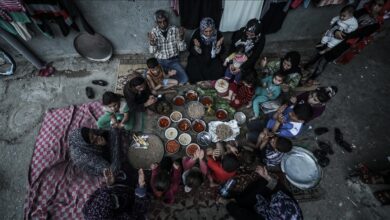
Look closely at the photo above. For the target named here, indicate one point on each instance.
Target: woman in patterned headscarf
(206, 46)
(253, 39)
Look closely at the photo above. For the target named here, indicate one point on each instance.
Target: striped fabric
(12, 5)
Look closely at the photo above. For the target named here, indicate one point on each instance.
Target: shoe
(338, 137)
(321, 130)
(323, 161)
(89, 92)
(325, 146)
(99, 82)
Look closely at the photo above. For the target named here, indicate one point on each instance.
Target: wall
(126, 23)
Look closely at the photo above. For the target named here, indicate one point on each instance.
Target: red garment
(169, 195)
(218, 174)
(244, 95)
(296, 3)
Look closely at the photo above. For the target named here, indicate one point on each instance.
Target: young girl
(269, 90)
(244, 92)
(344, 23)
(156, 77)
(235, 60)
(195, 171)
(116, 112)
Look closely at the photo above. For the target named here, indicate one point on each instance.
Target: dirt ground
(360, 110)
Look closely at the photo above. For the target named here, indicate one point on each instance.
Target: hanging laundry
(175, 7)
(321, 3)
(193, 11)
(12, 5)
(237, 13)
(14, 19)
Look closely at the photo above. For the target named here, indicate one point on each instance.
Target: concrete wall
(126, 23)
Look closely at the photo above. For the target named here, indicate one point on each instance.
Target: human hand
(281, 109)
(121, 125)
(293, 99)
(219, 42)
(150, 101)
(209, 151)
(152, 39)
(263, 62)
(141, 178)
(216, 153)
(196, 43)
(339, 35)
(232, 149)
(225, 63)
(176, 165)
(281, 119)
(171, 72)
(200, 154)
(263, 172)
(153, 166)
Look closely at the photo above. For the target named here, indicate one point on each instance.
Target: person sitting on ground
(96, 152)
(288, 120)
(288, 66)
(165, 179)
(234, 62)
(156, 77)
(165, 43)
(269, 90)
(116, 112)
(252, 38)
(317, 99)
(119, 201)
(222, 163)
(264, 198)
(245, 90)
(345, 22)
(195, 171)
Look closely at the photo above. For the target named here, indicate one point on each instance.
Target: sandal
(99, 82)
(325, 146)
(338, 137)
(89, 92)
(383, 196)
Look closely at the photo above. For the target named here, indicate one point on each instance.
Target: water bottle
(224, 191)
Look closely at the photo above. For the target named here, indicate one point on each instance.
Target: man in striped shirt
(165, 42)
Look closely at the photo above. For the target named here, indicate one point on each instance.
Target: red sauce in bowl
(184, 125)
(198, 127)
(163, 122)
(221, 114)
(192, 96)
(191, 149)
(206, 101)
(172, 146)
(178, 101)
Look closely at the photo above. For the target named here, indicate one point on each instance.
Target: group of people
(251, 192)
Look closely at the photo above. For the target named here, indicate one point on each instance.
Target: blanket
(56, 189)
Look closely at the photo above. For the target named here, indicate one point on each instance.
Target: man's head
(161, 18)
(301, 113)
(281, 144)
(230, 162)
(138, 83)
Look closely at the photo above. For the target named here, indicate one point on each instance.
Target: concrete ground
(360, 110)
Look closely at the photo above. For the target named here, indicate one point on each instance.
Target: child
(165, 179)
(288, 121)
(195, 169)
(339, 25)
(116, 112)
(156, 77)
(270, 90)
(235, 60)
(244, 92)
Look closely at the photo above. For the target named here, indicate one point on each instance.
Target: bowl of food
(206, 100)
(191, 95)
(195, 110)
(240, 117)
(172, 146)
(221, 114)
(184, 125)
(198, 125)
(204, 138)
(171, 133)
(191, 149)
(163, 122)
(223, 131)
(185, 139)
(176, 116)
(179, 100)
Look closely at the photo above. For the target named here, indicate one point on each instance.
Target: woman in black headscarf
(253, 39)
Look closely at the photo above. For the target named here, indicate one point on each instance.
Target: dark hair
(279, 74)
(230, 162)
(294, 57)
(324, 94)
(194, 178)
(152, 62)
(136, 81)
(303, 111)
(249, 76)
(348, 8)
(283, 144)
(240, 48)
(163, 181)
(85, 133)
(254, 25)
(247, 157)
(159, 14)
(110, 97)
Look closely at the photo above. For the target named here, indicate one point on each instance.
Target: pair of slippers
(89, 91)
(338, 137)
(322, 153)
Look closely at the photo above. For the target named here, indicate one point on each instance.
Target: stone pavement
(360, 110)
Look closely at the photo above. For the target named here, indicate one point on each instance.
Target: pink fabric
(56, 189)
(169, 196)
(188, 163)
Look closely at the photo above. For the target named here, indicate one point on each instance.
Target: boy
(116, 112)
(156, 77)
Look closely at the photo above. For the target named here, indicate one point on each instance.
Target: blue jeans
(174, 64)
(229, 74)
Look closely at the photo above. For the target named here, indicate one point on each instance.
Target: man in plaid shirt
(165, 42)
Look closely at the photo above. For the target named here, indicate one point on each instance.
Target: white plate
(185, 139)
(171, 133)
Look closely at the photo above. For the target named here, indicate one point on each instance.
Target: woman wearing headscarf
(252, 38)
(206, 47)
(288, 66)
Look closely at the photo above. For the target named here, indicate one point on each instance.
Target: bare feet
(108, 176)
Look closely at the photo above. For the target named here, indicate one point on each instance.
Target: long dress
(202, 66)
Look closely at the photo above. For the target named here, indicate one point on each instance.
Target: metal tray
(301, 168)
(93, 47)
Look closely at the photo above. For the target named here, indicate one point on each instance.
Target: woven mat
(127, 70)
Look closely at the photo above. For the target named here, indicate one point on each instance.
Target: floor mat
(56, 189)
